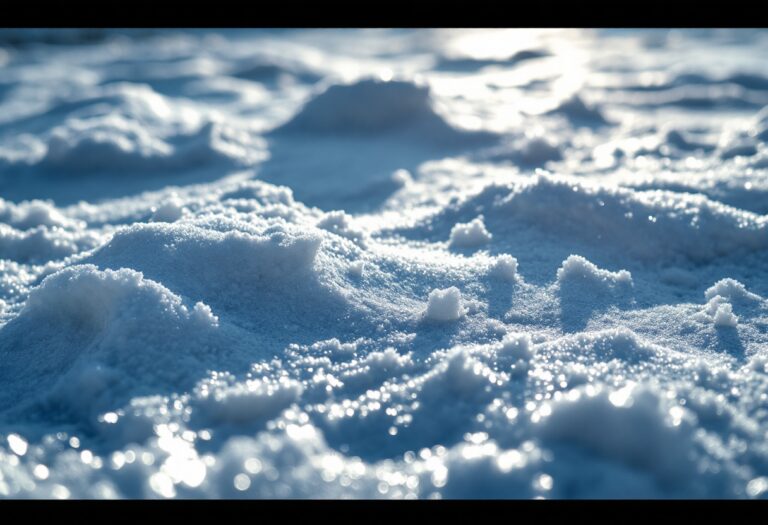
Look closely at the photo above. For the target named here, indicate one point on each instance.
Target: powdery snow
(576, 269)
(469, 235)
(445, 305)
(383, 264)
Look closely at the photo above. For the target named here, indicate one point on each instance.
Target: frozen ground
(432, 264)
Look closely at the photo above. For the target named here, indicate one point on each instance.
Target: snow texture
(383, 263)
(445, 305)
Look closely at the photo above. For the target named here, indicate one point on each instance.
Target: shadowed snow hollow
(355, 138)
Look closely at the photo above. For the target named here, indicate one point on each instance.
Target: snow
(517, 345)
(505, 267)
(577, 269)
(730, 289)
(579, 112)
(383, 264)
(371, 106)
(444, 305)
(469, 235)
(724, 316)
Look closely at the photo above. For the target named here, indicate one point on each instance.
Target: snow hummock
(445, 304)
(505, 267)
(648, 432)
(578, 269)
(285, 264)
(579, 112)
(375, 107)
(221, 399)
(469, 235)
(169, 211)
(730, 289)
(724, 316)
(518, 346)
(721, 298)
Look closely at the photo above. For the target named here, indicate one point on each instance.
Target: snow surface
(470, 234)
(444, 305)
(384, 264)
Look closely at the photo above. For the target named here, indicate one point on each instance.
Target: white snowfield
(384, 264)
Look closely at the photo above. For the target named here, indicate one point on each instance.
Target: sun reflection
(18, 444)
(242, 482)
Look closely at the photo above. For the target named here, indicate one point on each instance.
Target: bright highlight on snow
(383, 264)
(445, 305)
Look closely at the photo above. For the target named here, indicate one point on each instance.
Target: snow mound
(112, 142)
(504, 267)
(372, 107)
(721, 298)
(343, 225)
(724, 316)
(650, 225)
(469, 235)
(115, 143)
(170, 210)
(41, 244)
(29, 214)
(730, 289)
(255, 273)
(577, 269)
(221, 254)
(526, 152)
(718, 311)
(518, 346)
(605, 345)
(444, 305)
(636, 425)
(579, 112)
(100, 335)
(221, 399)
